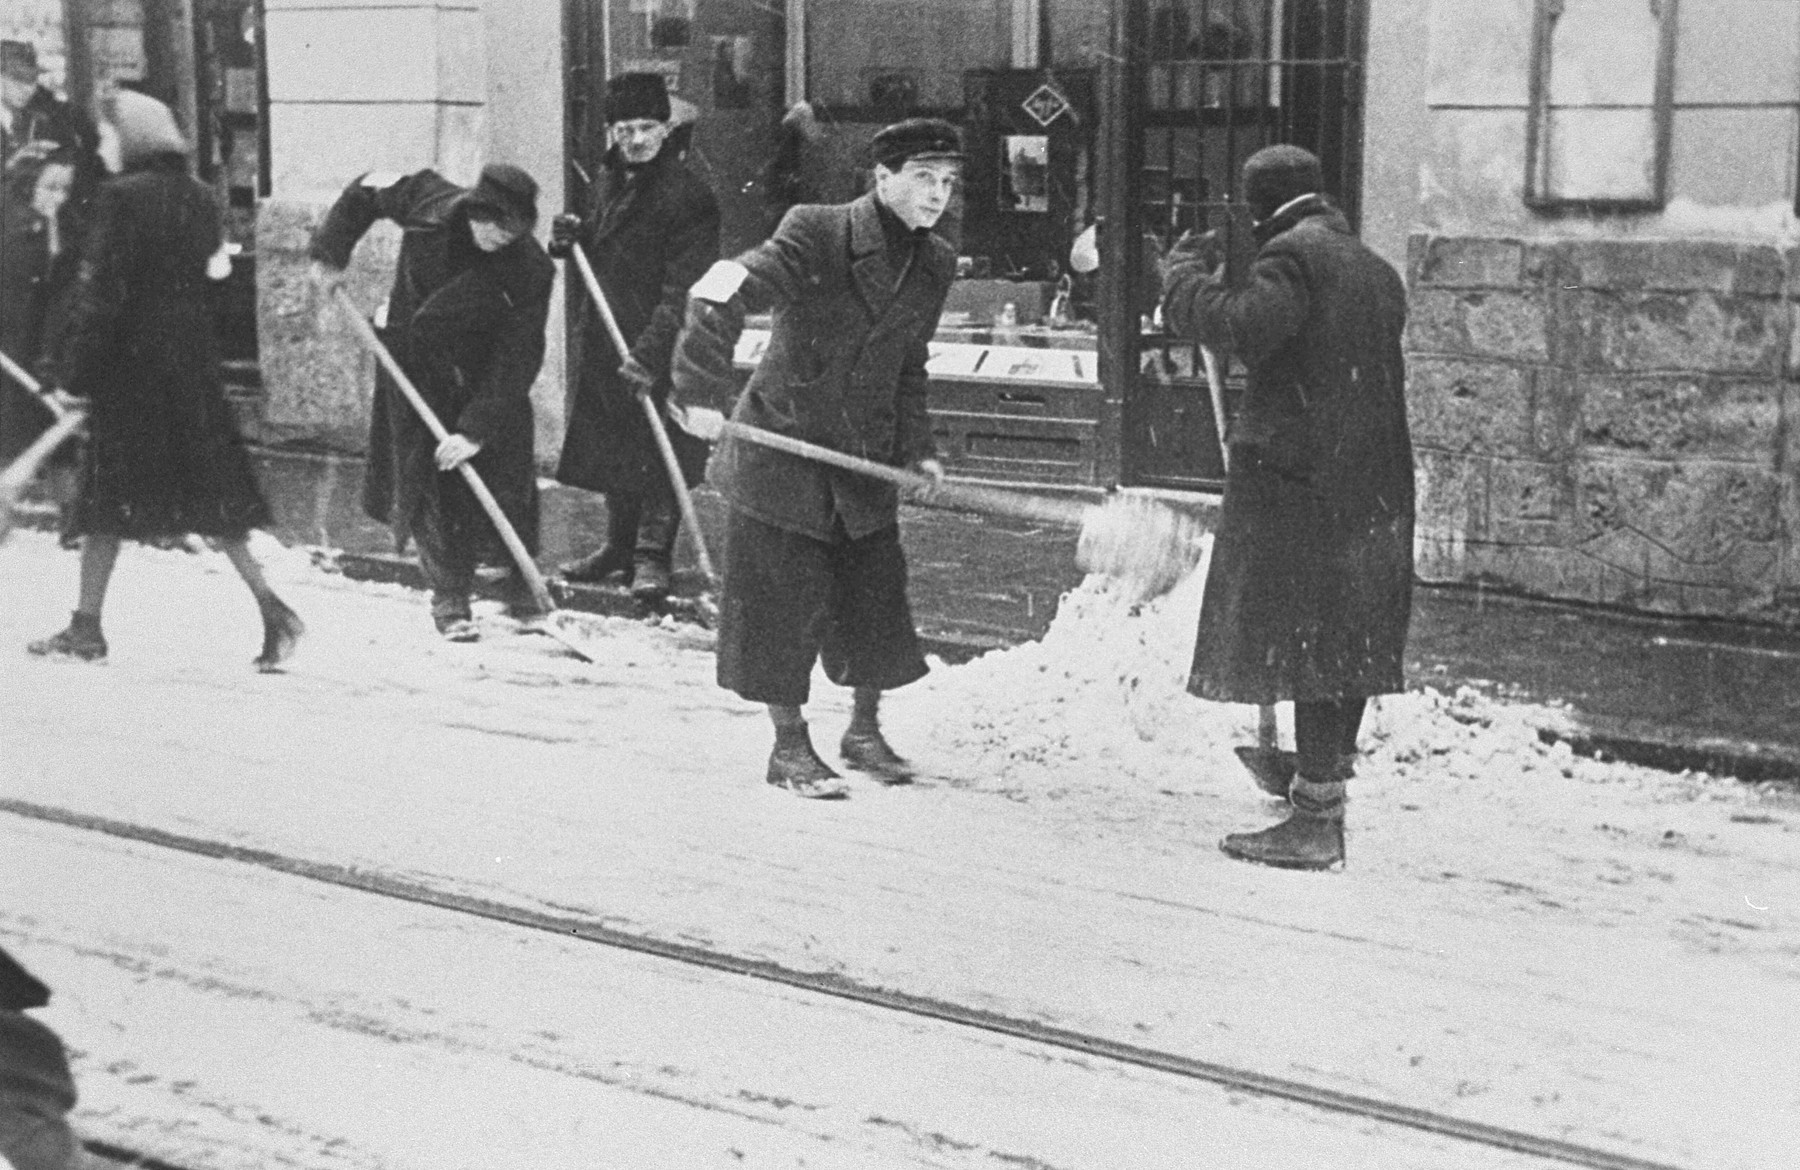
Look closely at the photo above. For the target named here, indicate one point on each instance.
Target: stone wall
(1609, 421)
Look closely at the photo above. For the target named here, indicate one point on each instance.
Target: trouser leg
(1325, 736)
(449, 567)
(653, 555)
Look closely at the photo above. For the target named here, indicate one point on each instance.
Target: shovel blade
(581, 639)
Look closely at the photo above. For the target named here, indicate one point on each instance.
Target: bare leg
(249, 568)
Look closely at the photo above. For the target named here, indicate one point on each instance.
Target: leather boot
(282, 628)
(655, 551)
(615, 556)
(867, 750)
(450, 613)
(82, 640)
(1312, 837)
(795, 766)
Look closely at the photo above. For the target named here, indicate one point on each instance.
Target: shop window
(1602, 74)
(877, 61)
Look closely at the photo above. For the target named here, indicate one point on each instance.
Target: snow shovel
(559, 624)
(1141, 542)
(1272, 768)
(24, 469)
(683, 497)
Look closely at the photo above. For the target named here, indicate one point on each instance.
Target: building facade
(1594, 203)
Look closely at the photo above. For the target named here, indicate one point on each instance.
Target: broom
(1138, 541)
(24, 469)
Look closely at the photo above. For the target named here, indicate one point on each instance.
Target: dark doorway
(1198, 87)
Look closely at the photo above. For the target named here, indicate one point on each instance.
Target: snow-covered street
(1588, 951)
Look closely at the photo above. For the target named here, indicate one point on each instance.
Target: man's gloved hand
(698, 421)
(636, 376)
(933, 470)
(565, 233)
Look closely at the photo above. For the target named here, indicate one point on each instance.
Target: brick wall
(1609, 421)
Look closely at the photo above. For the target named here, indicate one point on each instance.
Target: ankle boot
(655, 551)
(795, 766)
(1312, 837)
(82, 640)
(282, 628)
(865, 749)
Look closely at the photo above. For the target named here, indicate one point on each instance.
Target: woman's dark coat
(164, 455)
(649, 237)
(845, 367)
(35, 291)
(1310, 590)
(467, 326)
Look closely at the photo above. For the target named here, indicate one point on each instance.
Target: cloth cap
(507, 194)
(924, 138)
(18, 60)
(1276, 175)
(631, 96)
(145, 126)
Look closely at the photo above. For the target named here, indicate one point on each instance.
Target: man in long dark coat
(652, 229)
(813, 566)
(465, 320)
(1310, 590)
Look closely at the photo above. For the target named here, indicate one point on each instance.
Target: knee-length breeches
(789, 600)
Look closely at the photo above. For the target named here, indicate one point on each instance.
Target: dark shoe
(282, 628)
(1303, 841)
(868, 751)
(597, 567)
(1311, 838)
(82, 640)
(1271, 768)
(650, 580)
(802, 772)
(515, 593)
(451, 616)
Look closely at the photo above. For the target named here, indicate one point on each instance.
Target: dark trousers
(789, 601)
(1325, 734)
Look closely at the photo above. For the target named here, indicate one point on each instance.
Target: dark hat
(631, 96)
(1277, 175)
(924, 138)
(18, 60)
(505, 194)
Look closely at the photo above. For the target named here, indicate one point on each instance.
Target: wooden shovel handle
(683, 497)
(365, 333)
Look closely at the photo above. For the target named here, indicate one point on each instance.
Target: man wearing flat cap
(813, 568)
(650, 230)
(37, 121)
(465, 320)
(1310, 591)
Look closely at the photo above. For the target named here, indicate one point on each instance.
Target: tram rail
(568, 926)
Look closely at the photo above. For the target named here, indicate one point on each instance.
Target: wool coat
(36, 291)
(845, 367)
(1310, 590)
(467, 327)
(164, 454)
(649, 236)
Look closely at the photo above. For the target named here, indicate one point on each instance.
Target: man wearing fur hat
(650, 230)
(1310, 590)
(465, 320)
(813, 566)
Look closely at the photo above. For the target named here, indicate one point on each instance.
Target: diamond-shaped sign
(1046, 104)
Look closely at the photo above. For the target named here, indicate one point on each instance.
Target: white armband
(721, 282)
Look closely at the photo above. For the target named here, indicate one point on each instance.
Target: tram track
(585, 929)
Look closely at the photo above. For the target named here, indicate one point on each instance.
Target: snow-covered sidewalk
(1588, 950)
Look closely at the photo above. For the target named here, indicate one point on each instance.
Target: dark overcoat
(649, 236)
(845, 367)
(35, 293)
(467, 326)
(1310, 590)
(164, 455)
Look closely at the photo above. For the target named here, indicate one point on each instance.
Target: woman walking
(164, 455)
